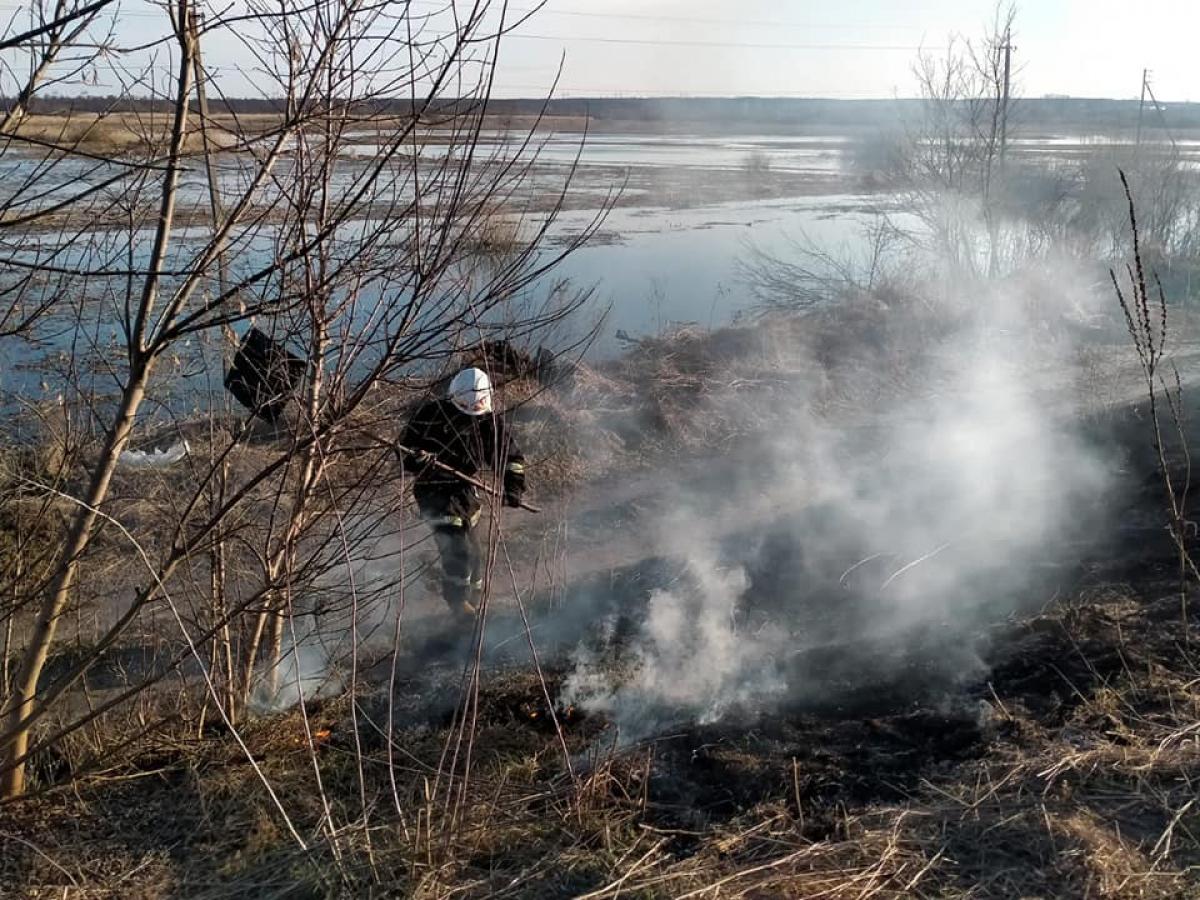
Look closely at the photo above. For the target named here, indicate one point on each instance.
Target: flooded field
(660, 268)
(821, 153)
(695, 209)
(683, 216)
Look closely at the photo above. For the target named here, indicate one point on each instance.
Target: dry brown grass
(187, 816)
(116, 133)
(701, 389)
(123, 132)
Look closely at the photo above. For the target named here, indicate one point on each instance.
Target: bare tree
(64, 43)
(947, 170)
(953, 157)
(347, 224)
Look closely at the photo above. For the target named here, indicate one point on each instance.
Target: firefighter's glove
(419, 459)
(514, 482)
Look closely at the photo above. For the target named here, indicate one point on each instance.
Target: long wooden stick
(450, 470)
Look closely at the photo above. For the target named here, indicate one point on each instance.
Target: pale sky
(851, 48)
(1079, 47)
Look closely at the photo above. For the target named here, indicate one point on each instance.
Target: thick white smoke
(932, 516)
(302, 673)
(831, 550)
(690, 660)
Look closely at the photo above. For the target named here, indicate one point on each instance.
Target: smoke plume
(902, 531)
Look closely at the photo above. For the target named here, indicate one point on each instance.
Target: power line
(647, 17)
(563, 92)
(636, 17)
(641, 17)
(728, 44)
(755, 23)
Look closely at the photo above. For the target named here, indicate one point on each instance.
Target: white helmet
(471, 392)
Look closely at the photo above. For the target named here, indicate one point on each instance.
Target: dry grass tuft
(496, 232)
(115, 134)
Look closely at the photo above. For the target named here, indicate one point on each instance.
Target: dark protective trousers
(454, 514)
(462, 564)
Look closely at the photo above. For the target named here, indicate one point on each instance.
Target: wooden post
(1137, 141)
(1004, 108)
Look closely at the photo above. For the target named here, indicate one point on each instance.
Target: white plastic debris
(156, 458)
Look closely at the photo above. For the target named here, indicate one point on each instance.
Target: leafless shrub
(1146, 319)
(804, 274)
(368, 266)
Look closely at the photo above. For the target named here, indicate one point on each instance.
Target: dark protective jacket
(504, 362)
(468, 444)
(264, 375)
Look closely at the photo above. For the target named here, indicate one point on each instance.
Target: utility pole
(1008, 49)
(1137, 142)
(1162, 120)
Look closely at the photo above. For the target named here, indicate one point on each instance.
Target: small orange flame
(319, 737)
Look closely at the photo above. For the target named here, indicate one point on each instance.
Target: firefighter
(464, 433)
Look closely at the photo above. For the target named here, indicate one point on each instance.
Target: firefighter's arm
(417, 454)
(514, 473)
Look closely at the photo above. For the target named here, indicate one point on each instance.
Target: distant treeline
(715, 113)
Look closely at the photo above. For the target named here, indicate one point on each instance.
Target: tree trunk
(20, 710)
(21, 702)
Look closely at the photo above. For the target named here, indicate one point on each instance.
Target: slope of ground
(1045, 748)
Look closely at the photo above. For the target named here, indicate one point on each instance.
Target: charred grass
(1070, 770)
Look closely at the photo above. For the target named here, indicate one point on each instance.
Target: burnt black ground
(871, 713)
(871, 720)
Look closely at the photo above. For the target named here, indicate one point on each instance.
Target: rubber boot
(458, 597)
